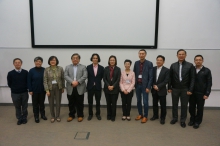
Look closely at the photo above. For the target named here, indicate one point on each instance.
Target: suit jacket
(95, 79)
(114, 82)
(147, 73)
(81, 76)
(124, 85)
(49, 77)
(162, 81)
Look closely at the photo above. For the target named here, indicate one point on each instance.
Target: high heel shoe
(123, 118)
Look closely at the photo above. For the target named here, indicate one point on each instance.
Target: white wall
(175, 31)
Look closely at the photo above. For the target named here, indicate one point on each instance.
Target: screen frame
(93, 46)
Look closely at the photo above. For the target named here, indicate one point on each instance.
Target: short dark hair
(181, 50)
(95, 54)
(127, 60)
(198, 56)
(51, 58)
(38, 58)
(17, 59)
(143, 50)
(76, 54)
(161, 56)
(112, 56)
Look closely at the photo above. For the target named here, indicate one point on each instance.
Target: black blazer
(95, 79)
(162, 81)
(114, 82)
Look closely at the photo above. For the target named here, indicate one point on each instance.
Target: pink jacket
(127, 82)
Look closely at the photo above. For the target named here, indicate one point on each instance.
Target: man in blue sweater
(17, 81)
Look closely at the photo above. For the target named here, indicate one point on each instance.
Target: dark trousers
(184, 98)
(97, 94)
(76, 103)
(20, 102)
(55, 97)
(163, 108)
(38, 104)
(111, 100)
(126, 103)
(196, 101)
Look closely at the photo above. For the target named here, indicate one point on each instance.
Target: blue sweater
(35, 80)
(17, 81)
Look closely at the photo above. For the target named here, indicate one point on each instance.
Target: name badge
(54, 82)
(140, 76)
(128, 81)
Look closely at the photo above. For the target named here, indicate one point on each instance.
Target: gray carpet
(106, 133)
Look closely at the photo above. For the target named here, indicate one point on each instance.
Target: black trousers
(163, 108)
(126, 103)
(196, 101)
(184, 98)
(111, 100)
(38, 104)
(20, 102)
(76, 103)
(97, 94)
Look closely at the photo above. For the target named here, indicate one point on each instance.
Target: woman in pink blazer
(127, 83)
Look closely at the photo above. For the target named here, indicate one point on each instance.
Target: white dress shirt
(158, 71)
(180, 71)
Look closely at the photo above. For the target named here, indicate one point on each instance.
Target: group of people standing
(185, 82)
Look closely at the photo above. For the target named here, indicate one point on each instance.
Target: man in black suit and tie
(94, 85)
(159, 91)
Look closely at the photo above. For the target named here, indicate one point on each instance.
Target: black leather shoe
(44, 117)
(183, 124)
(98, 117)
(153, 118)
(108, 118)
(24, 121)
(89, 117)
(112, 119)
(191, 123)
(19, 122)
(37, 120)
(162, 121)
(196, 126)
(173, 122)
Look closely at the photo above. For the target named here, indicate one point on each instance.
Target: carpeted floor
(106, 133)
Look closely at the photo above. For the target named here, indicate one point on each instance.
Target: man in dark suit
(94, 85)
(182, 79)
(159, 91)
(143, 70)
(202, 89)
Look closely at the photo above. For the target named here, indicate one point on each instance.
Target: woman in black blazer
(111, 78)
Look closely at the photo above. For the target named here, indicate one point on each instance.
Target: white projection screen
(94, 23)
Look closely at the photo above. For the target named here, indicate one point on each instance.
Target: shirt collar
(160, 67)
(200, 67)
(95, 65)
(18, 70)
(75, 65)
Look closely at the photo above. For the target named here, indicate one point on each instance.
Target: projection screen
(94, 23)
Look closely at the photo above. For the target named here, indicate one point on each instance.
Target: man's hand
(75, 83)
(205, 97)
(189, 93)
(147, 90)
(31, 93)
(169, 91)
(155, 87)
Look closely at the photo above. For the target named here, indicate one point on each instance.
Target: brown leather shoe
(144, 120)
(138, 117)
(80, 119)
(69, 119)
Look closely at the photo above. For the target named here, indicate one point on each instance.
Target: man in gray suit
(75, 76)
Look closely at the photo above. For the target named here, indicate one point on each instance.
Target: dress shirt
(75, 71)
(180, 71)
(158, 71)
(95, 68)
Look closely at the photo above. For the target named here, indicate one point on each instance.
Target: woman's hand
(48, 93)
(31, 93)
